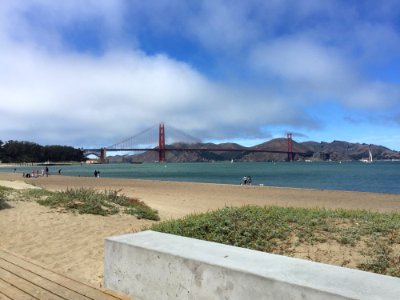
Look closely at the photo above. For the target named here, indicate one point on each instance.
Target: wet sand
(72, 244)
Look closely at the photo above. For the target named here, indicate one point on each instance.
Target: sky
(90, 73)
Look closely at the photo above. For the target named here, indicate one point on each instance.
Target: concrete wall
(153, 265)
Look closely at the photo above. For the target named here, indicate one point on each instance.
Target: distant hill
(340, 150)
(336, 151)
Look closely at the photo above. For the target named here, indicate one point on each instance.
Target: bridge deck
(22, 279)
(257, 150)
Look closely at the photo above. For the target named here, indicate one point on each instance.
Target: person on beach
(95, 173)
(59, 171)
(47, 172)
(246, 180)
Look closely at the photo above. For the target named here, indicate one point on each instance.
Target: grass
(29, 194)
(372, 237)
(4, 192)
(2, 198)
(89, 201)
(84, 201)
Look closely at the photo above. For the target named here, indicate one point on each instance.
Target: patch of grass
(2, 199)
(89, 201)
(281, 230)
(4, 195)
(4, 191)
(11, 194)
(81, 200)
(36, 193)
(143, 212)
(31, 194)
(133, 206)
(379, 260)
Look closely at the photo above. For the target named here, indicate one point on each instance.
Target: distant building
(92, 161)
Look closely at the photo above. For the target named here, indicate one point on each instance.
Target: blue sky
(91, 73)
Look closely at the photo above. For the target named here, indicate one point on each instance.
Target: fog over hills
(336, 151)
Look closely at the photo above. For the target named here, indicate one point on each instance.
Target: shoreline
(72, 244)
(357, 177)
(191, 197)
(197, 182)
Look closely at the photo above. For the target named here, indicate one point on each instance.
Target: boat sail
(369, 159)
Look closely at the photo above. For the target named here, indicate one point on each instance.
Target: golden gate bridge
(144, 141)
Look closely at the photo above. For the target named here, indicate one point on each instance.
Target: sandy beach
(72, 244)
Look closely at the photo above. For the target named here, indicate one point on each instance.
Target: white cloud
(317, 72)
(222, 27)
(374, 94)
(301, 61)
(51, 92)
(40, 21)
(110, 97)
(375, 44)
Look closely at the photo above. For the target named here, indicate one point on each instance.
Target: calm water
(353, 176)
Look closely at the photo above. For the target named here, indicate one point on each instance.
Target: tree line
(28, 152)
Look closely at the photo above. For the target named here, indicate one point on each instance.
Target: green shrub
(89, 201)
(280, 230)
(4, 192)
(143, 212)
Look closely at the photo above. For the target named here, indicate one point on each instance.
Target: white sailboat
(369, 159)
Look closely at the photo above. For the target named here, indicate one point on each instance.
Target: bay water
(379, 176)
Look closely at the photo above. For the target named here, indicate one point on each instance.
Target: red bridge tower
(290, 147)
(161, 143)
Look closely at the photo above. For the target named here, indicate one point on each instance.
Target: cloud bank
(92, 73)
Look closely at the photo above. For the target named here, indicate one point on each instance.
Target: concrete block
(153, 265)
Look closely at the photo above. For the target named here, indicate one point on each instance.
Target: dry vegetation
(84, 201)
(357, 239)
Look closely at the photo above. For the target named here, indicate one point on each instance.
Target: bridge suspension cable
(149, 138)
(178, 136)
(145, 137)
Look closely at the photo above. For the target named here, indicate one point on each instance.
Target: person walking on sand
(47, 172)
